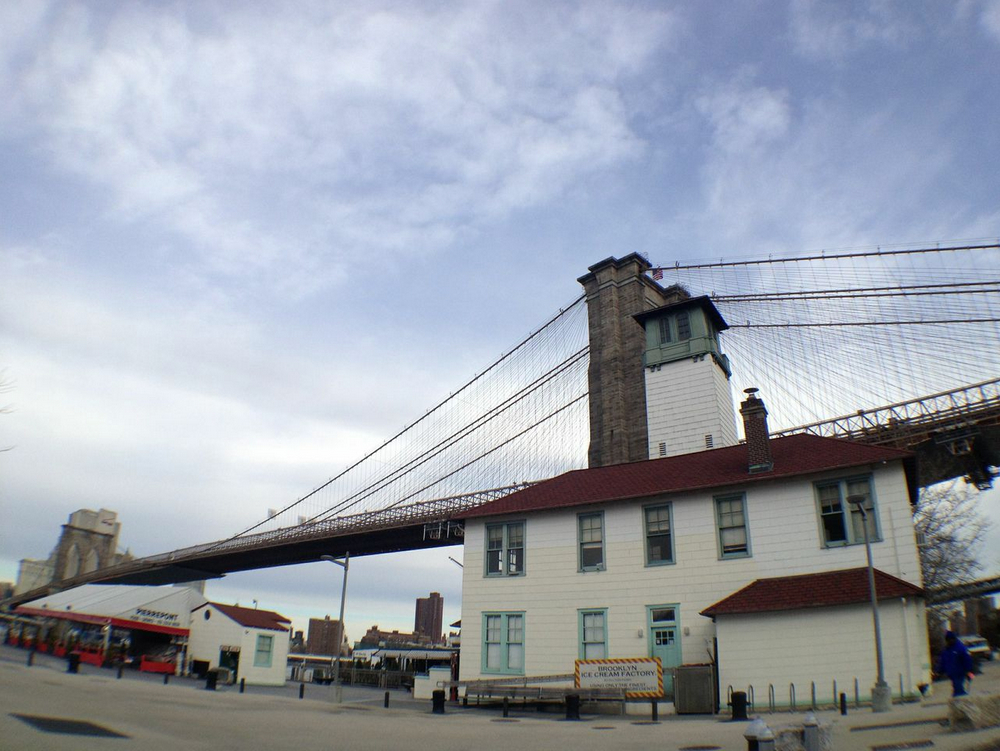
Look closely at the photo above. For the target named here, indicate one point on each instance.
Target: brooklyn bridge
(889, 346)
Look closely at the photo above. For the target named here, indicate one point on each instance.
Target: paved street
(182, 715)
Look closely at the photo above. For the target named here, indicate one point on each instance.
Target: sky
(243, 243)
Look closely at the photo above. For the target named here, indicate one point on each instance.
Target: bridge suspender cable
(413, 424)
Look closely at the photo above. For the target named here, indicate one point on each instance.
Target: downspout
(906, 646)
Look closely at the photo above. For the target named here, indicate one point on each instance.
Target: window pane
(594, 652)
(515, 535)
(515, 561)
(833, 527)
(493, 656)
(664, 330)
(590, 528)
(591, 555)
(658, 519)
(734, 540)
(683, 326)
(663, 614)
(493, 561)
(515, 548)
(514, 632)
(493, 628)
(660, 549)
(515, 656)
(262, 655)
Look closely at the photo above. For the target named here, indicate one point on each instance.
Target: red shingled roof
(251, 617)
(718, 468)
(845, 587)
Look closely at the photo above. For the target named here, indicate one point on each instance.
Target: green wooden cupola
(683, 330)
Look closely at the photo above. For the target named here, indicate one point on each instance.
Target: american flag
(657, 274)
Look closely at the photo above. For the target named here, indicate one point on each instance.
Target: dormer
(683, 330)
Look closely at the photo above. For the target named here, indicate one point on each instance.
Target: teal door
(665, 641)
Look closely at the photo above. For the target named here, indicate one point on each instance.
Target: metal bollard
(766, 740)
(573, 707)
(843, 704)
(121, 669)
(166, 678)
(31, 658)
(506, 707)
(753, 734)
(437, 701)
(810, 733)
(655, 714)
(211, 680)
(302, 690)
(739, 704)
(243, 685)
(386, 702)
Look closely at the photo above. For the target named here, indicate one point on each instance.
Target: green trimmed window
(593, 634)
(505, 549)
(264, 652)
(840, 521)
(591, 541)
(731, 517)
(659, 536)
(503, 643)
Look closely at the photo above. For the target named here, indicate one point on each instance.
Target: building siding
(784, 534)
(687, 400)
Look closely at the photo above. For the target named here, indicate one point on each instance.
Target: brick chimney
(755, 429)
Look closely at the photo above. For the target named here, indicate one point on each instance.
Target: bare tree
(950, 533)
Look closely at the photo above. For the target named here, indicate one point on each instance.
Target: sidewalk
(182, 715)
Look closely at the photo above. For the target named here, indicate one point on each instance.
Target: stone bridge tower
(659, 383)
(616, 290)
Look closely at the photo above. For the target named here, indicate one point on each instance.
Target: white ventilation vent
(709, 441)
(663, 448)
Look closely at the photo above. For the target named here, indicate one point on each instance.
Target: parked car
(978, 647)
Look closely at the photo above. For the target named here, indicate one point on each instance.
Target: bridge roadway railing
(437, 511)
(893, 422)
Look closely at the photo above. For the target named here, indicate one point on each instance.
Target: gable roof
(825, 589)
(251, 617)
(793, 455)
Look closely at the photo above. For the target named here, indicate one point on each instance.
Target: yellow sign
(639, 677)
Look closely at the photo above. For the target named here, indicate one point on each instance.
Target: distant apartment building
(376, 637)
(429, 617)
(322, 639)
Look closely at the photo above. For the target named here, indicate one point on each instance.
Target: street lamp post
(339, 691)
(881, 693)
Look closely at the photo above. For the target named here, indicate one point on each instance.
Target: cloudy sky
(241, 243)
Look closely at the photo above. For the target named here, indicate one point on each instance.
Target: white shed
(251, 643)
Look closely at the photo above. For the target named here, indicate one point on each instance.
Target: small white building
(251, 643)
(659, 558)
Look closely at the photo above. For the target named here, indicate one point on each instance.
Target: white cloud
(833, 31)
(744, 118)
(991, 18)
(276, 135)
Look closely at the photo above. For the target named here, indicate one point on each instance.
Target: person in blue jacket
(956, 663)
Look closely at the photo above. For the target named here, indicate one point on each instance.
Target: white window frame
(591, 647)
(507, 562)
(505, 631)
(850, 519)
(581, 542)
(668, 507)
(724, 521)
(263, 655)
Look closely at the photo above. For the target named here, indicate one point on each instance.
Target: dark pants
(958, 686)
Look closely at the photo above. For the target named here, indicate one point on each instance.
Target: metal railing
(893, 421)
